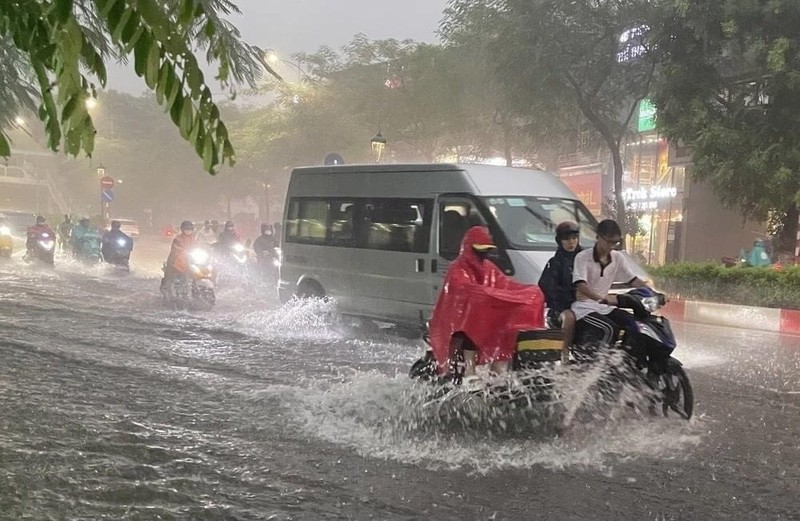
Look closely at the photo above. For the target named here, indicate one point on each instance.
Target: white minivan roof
(484, 180)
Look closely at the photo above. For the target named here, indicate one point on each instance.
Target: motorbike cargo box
(540, 345)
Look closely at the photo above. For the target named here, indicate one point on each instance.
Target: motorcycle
(117, 252)
(269, 264)
(89, 248)
(6, 242)
(42, 246)
(197, 285)
(535, 350)
(232, 260)
(647, 346)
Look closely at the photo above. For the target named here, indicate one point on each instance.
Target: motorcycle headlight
(238, 248)
(5, 230)
(199, 256)
(45, 236)
(47, 245)
(651, 304)
(121, 242)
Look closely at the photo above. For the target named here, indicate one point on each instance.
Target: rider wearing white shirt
(595, 271)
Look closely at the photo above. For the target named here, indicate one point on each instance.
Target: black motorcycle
(647, 345)
(41, 247)
(117, 252)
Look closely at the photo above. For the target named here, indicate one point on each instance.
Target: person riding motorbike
(64, 233)
(117, 245)
(36, 231)
(556, 282)
(206, 233)
(595, 271)
(481, 310)
(177, 262)
(86, 241)
(265, 249)
(229, 235)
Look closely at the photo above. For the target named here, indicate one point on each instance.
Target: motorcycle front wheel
(678, 395)
(423, 369)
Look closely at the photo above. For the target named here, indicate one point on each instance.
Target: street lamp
(272, 58)
(378, 144)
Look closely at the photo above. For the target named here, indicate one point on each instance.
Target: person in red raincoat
(481, 310)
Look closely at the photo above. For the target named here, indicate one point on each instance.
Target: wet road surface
(113, 406)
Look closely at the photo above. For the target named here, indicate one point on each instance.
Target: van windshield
(529, 223)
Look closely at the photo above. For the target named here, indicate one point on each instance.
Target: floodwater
(114, 406)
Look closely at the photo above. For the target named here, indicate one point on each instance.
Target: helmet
(267, 229)
(84, 220)
(187, 225)
(229, 225)
(566, 229)
(40, 219)
(115, 225)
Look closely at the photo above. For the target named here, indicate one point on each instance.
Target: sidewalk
(730, 315)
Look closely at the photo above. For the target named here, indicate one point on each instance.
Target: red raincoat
(481, 302)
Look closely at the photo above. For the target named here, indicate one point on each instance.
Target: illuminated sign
(647, 116)
(648, 198)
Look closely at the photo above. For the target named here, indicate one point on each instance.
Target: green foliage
(765, 287)
(561, 56)
(56, 46)
(729, 88)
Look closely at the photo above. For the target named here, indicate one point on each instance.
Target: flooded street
(113, 406)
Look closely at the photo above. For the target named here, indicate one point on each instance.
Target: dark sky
(290, 26)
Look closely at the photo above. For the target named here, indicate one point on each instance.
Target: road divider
(731, 315)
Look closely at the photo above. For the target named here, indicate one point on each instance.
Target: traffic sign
(107, 195)
(106, 182)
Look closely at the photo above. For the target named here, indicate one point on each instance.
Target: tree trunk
(622, 218)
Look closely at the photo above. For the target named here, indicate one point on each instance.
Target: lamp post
(273, 59)
(378, 144)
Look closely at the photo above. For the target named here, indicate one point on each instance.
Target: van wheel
(310, 289)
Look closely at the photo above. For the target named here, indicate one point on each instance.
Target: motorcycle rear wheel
(678, 397)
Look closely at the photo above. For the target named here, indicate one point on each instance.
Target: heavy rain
(448, 259)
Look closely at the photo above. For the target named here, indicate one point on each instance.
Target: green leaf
(163, 82)
(69, 108)
(116, 35)
(5, 146)
(140, 54)
(194, 78)
(62, 10)
(153, 62)
(176, 108)
(106, 6)
(208, 152)
(186, 118)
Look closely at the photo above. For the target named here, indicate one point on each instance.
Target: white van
(379, 238)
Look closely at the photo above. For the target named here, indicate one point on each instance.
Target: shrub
(765, 287)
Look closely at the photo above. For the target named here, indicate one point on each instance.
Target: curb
(775, 320)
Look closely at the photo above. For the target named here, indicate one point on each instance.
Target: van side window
(342, 223)
(396, 225)
(455, 218)
(307, 221)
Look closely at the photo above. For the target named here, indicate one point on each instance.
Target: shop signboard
(647, 116)
(588, 186)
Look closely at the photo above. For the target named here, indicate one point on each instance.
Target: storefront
(654, 196)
